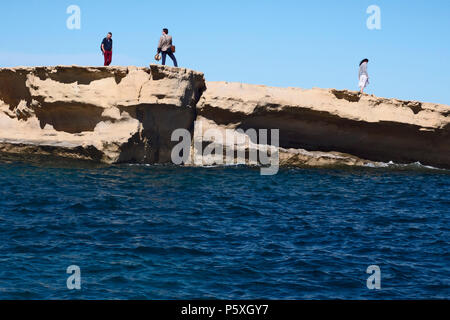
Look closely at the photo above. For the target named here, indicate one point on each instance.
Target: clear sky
(273, 42)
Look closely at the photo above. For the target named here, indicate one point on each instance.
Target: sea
(76, 230)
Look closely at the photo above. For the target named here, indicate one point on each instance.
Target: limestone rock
(111, 115)
(333, 124)
(128, 115)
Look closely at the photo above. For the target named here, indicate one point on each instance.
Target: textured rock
(247, 144)
(127, 115)
(340, 127)
(110, 115)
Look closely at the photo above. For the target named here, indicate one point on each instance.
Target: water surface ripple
(140, 232)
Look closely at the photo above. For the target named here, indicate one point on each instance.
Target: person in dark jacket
(107, 45)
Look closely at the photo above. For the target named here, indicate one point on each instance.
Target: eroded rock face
(337, 127)
(112, 115)
(244, 142)
(128, 114)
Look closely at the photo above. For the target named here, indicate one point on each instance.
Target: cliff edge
(111, 115)
(367, 127)
(128, 114)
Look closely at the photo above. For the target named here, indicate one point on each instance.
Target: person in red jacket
(107, 45)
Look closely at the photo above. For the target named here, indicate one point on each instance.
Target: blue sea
(165, 232)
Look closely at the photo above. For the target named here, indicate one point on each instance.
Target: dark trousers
(171, 55)
(108, 57)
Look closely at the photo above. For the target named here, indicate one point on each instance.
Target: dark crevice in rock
(416, 107)
(70, 117)
(84, 76)
(153, 144)
(13, 88)
(346, 95)
(221, 116)
(26, 152)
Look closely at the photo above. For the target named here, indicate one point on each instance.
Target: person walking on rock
(166, 47)
(107, 45)
(363, 75)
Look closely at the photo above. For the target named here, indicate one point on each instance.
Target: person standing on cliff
(166, 47)
(363, 75)
(107, 45)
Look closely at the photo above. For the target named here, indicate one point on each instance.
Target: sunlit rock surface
(111, 115)
(128, 114)
(321, 127)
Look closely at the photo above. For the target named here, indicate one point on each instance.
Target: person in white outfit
(363, 75)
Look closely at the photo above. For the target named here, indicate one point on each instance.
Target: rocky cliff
(127, 115)
(332, 122)
(111, 115)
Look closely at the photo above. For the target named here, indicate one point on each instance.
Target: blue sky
(273, 42)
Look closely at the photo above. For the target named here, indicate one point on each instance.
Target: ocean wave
(167, 232)
(375, 165)
(411, 166)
